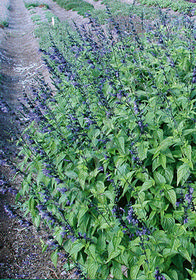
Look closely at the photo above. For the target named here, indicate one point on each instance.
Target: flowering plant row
(180, 6)
(109, 159)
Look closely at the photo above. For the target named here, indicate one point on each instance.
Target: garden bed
(108, 155)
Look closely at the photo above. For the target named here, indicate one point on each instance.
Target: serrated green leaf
(167, 277)
(54, 257)
(168, 222)
(82, 211)
(188, 151)
(110, 195)
(58, 235)
(37, 220)
(113, 255)
(142, 149)
(169, 174)
(162, 160)
(92, 268)
(76, 248)
(146, 185)
(156, 163)
(166, 143)
(171, 196)
(191, 273)
(159, 179)
(100, 186)
(189, 131)
(183, 173)
(101, 242)
(116, 270)
(71, 174)
(92, 250)
(173, 274)
(32, 203)
(184, 253)
(134, 271)
(167, 252)
(121, 144)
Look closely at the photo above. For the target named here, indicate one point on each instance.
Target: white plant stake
(53, 21)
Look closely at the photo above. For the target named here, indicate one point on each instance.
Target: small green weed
(34, 5)
(4, 23)
(36, 18)
(32, 12)
(9, 8)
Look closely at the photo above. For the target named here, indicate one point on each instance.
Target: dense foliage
(80, 6)
(181, 5)
(109, 158)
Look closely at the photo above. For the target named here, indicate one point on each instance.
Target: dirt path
(20, 62)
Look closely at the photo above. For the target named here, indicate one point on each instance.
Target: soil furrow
(21, 254)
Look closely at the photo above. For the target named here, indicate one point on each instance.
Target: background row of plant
(109, 158)
(180, 6)
(82, 6)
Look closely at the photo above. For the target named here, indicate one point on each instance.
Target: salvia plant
(80, 6)
(181, 6)
(109, 155)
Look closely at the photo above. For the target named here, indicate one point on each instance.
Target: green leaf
(147, 185)
(71, 174)
(191, 273)
(169, 174)
(43, 245)
(82, 211)
(134, 271)
(104, 226)
(188, 152)
(189, 131)
(183, 173)
(168, 222)
(116, 270)
(101, 242)
(171, 196)
(184, 253)
(167, 252)
(121, 145)
(58, 235)
(37, 220)
(159, 179)
(92, 250)
(167, 277)
(76, 248)
(166, 143)
(92, 267)
(32, 204)
(142, 149)
(54, 257)
(156, 163)
(113, 255)
(100, 187)
(173, 274)
(162, 160)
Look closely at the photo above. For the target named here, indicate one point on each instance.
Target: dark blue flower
(158, 276)
(131, 216)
